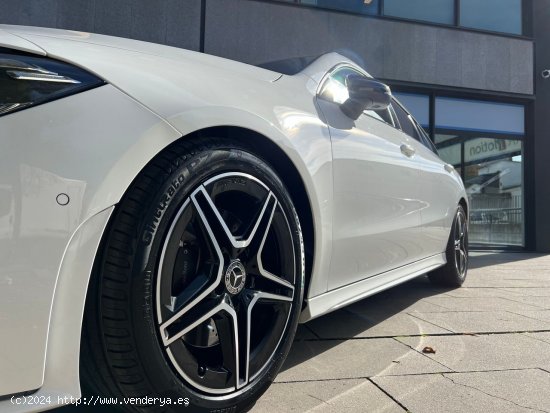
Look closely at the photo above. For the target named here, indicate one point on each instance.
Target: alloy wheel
(225, 283)
(461, 244)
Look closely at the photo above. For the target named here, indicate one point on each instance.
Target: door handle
(407, 150)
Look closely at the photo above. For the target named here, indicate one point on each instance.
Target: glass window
(474, 115)
(417, 105)
(437, 11)
(381, 115)
(425, 138)
(407, 124)
(495, 15)
(355, 6)
(492, 170)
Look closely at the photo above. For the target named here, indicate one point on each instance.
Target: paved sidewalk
(491, 340)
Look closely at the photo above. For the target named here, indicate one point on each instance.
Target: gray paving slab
(523, 260)
(543, 315)
(530, 292)
(347, 359)
(326, 396)
(534, 301)
(304, 333)
(486, 352)
(335, 359)
(539, 336)
(507, 283)
(483, 321)
(346, 324)
(501, 391)
(466, 292)
(410, 297)
(484, 303)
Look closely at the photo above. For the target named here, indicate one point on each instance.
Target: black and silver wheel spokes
(225, 283)
(461, 244)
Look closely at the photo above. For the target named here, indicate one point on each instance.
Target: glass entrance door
(492, 172)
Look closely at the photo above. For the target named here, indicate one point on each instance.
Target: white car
(167, 218)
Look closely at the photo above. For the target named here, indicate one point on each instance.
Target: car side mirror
(364, 94)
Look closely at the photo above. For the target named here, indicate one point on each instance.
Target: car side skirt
(346, 295)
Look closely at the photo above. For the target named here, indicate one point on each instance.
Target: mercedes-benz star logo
(235, 277)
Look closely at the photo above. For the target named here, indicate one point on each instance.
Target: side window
(381, 115)
(406, 121)
(426, 140)
(31, 80)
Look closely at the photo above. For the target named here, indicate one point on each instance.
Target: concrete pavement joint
(438, 326)
(317, 398)
(388, 394)
(444, 375)
(450, 334)
(435, 373)
(423, 355)
(533, 318)
(535, 306)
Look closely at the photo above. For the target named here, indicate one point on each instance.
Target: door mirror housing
(364, 94)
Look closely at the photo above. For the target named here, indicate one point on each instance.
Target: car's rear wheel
(198, 287)
(454, 272)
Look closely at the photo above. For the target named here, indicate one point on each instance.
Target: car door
(376, 181)
(438, 189)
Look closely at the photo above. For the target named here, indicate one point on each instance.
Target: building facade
(472, 72)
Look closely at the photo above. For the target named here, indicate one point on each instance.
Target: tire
(198, 285)
(454, 272)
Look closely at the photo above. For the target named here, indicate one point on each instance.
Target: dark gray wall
(172, 22)
(542, 127)
(253, 31)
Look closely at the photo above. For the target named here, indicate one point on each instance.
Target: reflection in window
(417, 105)
(405, 121)
(381, 115)
(495, 15)
(475, 115)
(355, 6)
(437, 11)
(492, 171)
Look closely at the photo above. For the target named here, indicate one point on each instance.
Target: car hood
(166, 79)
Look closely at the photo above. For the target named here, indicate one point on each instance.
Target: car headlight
(32, 80)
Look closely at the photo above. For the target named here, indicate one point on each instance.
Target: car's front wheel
(198, 288)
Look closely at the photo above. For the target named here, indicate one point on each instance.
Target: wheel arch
(266, 149)
(261, 146)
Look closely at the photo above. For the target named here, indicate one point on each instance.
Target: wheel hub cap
(235, 277)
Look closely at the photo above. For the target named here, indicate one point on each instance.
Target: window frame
(411, 119)
(526, 8)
